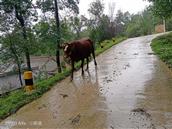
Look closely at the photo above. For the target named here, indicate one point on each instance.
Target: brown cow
(79, 50)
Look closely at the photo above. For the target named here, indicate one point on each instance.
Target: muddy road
(131, 88)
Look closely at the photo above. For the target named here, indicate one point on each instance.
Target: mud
(76, 119)
(125, 91)
(141, 119)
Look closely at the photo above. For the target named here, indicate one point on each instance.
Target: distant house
(159, 28)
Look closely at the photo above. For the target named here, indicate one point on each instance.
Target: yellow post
(28, 81)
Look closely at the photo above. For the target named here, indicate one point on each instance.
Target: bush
(162, 46)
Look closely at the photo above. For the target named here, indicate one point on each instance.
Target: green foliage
(48, 5)
(100, 26)
(96, 9)
(46, 36)
(133, 30)
(67, 34)
(11, 42)
(11, 102)
(162, 46)
(95, 25)
(121, 21)
(168, 24)
(141, 24)
(162, 8)
(18, 13)
(13, 50)
(77, 23)
(16, 9)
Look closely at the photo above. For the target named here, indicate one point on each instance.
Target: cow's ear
(66, 43)
(62, 46)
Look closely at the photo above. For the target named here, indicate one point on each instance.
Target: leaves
(162, 8)
(141, 24)
(48, 5)
(96, 9)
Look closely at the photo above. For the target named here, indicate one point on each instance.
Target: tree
(147, 22)
(11, 52)
(67, 32)
(102, 26)
(55, 6)
(162, 8)
(96, 12)
(77, 23)
(111, 10)
(168, 24)
(112, 26)
(142, 23)
(46, 35)
(22, 12)
(121, 22)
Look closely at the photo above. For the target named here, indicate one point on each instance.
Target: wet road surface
(130, 88)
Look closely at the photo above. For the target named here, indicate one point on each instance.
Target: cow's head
(67, 48)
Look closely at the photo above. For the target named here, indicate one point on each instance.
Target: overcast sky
(133, 6)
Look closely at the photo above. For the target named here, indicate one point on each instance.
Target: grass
(162, 46)
(11, 102)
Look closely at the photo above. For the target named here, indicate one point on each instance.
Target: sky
(133, 6)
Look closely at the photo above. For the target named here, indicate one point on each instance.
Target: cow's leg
(72, 70)
(87, 63)
(94, 58)
(82, 65)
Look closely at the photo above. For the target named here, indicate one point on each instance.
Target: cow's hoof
(95, 63)
(71, 79)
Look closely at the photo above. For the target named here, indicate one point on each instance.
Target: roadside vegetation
(162, 46)
(11, 102)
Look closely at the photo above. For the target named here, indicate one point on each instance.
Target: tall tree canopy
(21, 12)
(162, 8)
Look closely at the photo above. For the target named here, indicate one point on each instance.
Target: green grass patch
(162, 46)
(11, 102)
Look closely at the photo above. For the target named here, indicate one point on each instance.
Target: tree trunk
(78, 34)
(22, 23)
(19, 73)
(27, 54)
(58, 36)
(17, 62)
